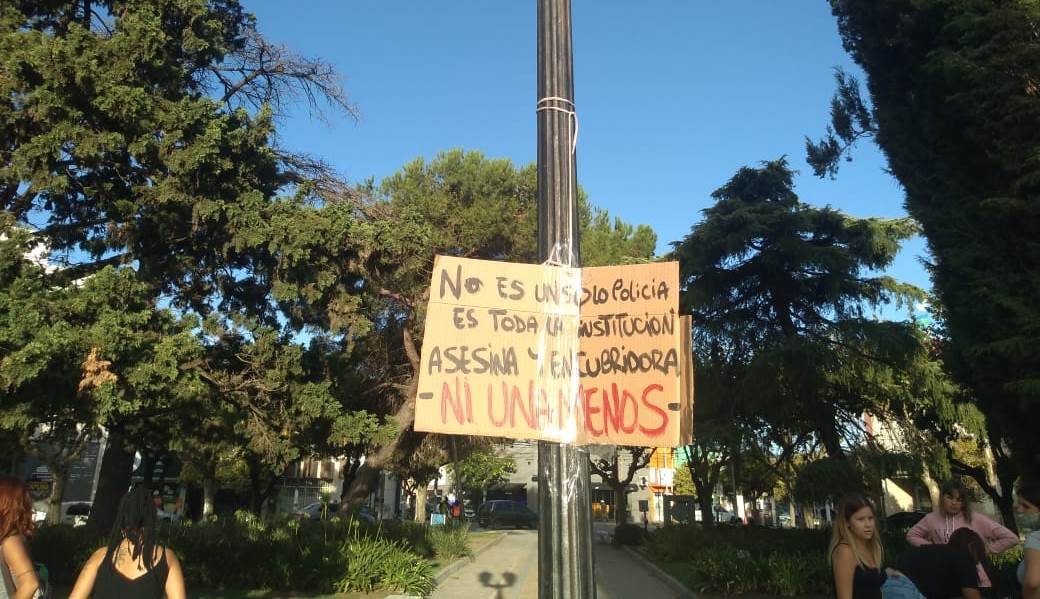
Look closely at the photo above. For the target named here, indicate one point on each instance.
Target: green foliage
(828, 478)
(64, 550)
(280, 555)
(604, 243)
(787, 352)
(953, 96)
(682, 484)
(482, 469)
(449, 541)
(373, 563)
(629, 534)
(730, 560)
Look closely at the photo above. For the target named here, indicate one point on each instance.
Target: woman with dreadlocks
(132, 566)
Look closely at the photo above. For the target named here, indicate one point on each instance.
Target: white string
(556, 257)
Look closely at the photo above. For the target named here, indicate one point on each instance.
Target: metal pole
(564, 526)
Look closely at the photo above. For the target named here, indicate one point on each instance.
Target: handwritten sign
(526, 351)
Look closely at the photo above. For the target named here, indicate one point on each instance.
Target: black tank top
(112, 584)
(866, 582)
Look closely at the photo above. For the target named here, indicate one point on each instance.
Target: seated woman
(954, 512)
(1028, 508)
(941, 571)
(132, 566)
(855, 550)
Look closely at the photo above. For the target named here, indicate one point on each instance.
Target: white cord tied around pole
(559, 104)
(568, 109)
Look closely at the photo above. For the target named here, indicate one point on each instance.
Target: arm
(967, 571)
(918, 535)
(998, 538)
(843, 564)
(175, 579)
(1031, 580)
(85, 581)
(16, 554)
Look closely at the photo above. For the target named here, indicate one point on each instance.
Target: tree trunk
(420, 502)
(620, 505)
(1006, 505)
(209, 495)
(57, 491)
(148, 459)
(704, 502)
(361, 487)
(116, 467)
(258, 491)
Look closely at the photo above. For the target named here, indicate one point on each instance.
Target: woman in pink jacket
(953, 513)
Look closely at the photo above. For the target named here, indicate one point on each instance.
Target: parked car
(75, 513)
(503, 512)
(903, 520)
(320, 510)
(469, 510)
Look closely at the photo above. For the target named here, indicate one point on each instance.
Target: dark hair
(1029, 489)
(970, 541)
(135, 522)
(16, 510)
(955, 486)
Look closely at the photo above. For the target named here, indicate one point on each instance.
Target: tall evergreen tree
(783, 290)
(954, 103)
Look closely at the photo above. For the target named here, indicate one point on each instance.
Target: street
(509, 570)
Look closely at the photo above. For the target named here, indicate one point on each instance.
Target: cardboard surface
(580, 356)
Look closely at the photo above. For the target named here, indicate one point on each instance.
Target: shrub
(629, 534)
(373, 563)
(728, 559)
(449, 542)
(64, 550)
(279, 554)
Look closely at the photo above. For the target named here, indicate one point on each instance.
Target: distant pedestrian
(16, 528)
(855, 551)
(955, 512)
(132, 566)
(1028, 508)
(941, 571)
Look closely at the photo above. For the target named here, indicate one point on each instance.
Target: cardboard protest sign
(553, 353)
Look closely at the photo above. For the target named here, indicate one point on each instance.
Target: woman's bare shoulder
(842, 551)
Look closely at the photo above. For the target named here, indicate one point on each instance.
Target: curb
(458, 564)
(680, 589)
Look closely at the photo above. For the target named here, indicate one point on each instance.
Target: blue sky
(672, 96)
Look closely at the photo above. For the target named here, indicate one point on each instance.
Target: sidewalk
(509, 570)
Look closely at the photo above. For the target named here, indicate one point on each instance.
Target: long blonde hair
(847, 506)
